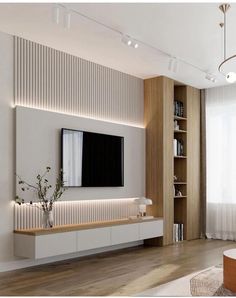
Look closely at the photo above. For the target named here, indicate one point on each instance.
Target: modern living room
(118, 149)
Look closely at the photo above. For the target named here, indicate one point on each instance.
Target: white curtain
(221, 162)
(72, 157)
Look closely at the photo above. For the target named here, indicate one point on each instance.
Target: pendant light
(225, 67)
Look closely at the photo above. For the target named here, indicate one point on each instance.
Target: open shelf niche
(180, 168)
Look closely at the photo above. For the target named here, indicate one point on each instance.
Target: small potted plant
(45, 200)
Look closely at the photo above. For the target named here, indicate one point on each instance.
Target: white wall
(7, 147)
(38, 145)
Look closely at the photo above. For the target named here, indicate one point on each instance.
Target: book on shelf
(178, 147)
(178, 108)
(178, 232)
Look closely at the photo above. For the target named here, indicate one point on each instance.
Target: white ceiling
(189, 31)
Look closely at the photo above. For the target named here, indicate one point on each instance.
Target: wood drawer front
(94, 238)
(124, 234)
(151, 229)
(55, 244)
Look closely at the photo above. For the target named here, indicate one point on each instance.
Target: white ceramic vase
(47, 219)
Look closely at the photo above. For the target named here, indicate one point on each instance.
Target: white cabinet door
(151, 229)
(24, 246)
(93, 238)
(124, 233)
(55, 244)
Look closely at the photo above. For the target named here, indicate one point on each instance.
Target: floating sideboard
(42, 243)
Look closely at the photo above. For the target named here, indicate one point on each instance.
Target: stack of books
(178, 147)
(178, 232)
(178, 108)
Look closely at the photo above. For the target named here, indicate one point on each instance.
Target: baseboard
(20, 263)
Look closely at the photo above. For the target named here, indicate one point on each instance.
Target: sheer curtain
(221, 162)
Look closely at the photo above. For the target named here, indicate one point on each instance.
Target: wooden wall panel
(193, 164)
(158, 119)
(52, 80)
(168, 166)
(153, 121)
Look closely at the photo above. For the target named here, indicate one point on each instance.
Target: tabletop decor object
(45, 194)
(142, 205)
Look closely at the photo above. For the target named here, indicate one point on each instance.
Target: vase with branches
(44, 193)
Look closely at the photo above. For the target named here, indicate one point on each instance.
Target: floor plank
(125, 272)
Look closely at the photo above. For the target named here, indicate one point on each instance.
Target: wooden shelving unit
(162, 165)
(180, 204)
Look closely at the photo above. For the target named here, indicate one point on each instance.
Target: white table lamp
(143, 203)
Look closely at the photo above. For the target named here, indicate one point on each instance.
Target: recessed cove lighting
(231, 77)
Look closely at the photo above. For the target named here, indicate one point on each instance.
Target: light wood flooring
(125, 272)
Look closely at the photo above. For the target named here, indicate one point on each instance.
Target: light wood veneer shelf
(79, 227)
(180, 183)
(180, 156)
(180, 197)
(180, 118)
(180, 131)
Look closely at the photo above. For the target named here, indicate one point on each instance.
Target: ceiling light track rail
(129, 41)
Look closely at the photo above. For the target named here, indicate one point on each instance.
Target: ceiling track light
(229, 75)
(210, 77)
(67, 19)
(56, 15)
(126, 40)
(173, 64)
(130, 42)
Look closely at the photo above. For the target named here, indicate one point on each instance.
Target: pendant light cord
(225, 35)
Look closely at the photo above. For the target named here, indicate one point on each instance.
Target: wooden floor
(127, 272)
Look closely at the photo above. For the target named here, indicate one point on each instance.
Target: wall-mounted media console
(42, 243)
(92, 159)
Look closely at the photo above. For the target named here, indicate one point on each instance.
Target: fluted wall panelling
(49, 79)
(75, 212)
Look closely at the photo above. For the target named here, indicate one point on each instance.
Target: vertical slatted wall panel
(49, 79)
(76, 212)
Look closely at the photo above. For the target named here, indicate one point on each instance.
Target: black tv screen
(91, 159)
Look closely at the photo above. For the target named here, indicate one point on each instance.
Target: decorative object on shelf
(178, 147)
(178, 108)
(143, 203)
(48, 219)
(45, 200)
(175, 178)
(228, 66)
(178, 232)
(178, 193)
(176, 125)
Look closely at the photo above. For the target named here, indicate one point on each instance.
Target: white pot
(47, 219)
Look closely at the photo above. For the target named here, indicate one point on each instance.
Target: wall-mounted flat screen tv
(91, 159)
